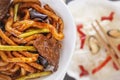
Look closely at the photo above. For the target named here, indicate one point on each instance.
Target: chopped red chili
(82, 42)
(101, 65)
(83, 71)
(110, 17)
(82, 35)
(115, 66)
(80, 26)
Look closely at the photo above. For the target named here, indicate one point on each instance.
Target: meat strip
(49, 49)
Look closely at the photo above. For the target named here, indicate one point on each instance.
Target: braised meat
(49, 49)
(4, 5)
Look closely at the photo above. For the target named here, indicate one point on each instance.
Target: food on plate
(30, 40)
(103, 39)
(98, 59)
(3, 11)
(95, 70)
(110, 17)
(50, 52)
(35, 75)
(118, 47)
(83, 71)
(34, 1)
(82, 35)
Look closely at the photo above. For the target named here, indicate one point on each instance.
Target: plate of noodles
(96, 56)
(36, 40)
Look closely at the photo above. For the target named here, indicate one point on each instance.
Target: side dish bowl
(69, 40)
(85, 12)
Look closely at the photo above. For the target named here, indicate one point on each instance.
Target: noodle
(19, 57)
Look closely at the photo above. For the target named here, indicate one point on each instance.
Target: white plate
(85, 12)
(69, 40)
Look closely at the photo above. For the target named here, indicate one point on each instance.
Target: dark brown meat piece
(4, 5)
(49, 49)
